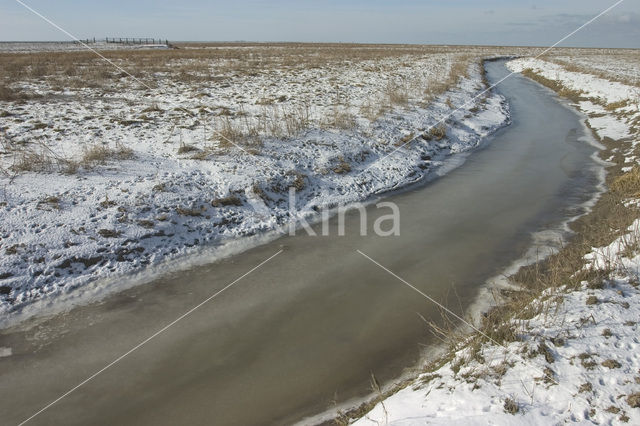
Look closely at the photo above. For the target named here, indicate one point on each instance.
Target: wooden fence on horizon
(126, 40)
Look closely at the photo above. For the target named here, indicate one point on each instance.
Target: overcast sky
(501, 22)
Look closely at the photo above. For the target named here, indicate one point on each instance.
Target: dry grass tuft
(299, 180)
(100, 154)
(634, 400)
(397, 94)
(585, 388)
(617, 105)
(231, 200)
(554, 85)
(611, 364)
(9, 94)
(229, 133)
(186, 148)
(32, 161)
(628, 184)
(405, 139)
(186, 211)
(511, 406)
(341, 118)
(342, 167)
(109, 233)
(296, 119)
(438, 132)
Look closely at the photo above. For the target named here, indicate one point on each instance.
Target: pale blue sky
(515, 22)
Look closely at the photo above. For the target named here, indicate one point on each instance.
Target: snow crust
(588, 371)
(160, 203)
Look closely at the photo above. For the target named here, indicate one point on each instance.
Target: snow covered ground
(612, 106)
(52, 46)
(577, 361)
(611, 64)
(106, 177)
(576, 358)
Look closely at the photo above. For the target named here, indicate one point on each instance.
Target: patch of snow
(610, 127)
(586, 375)
(61, 232)
(577, 360)
(609, 92)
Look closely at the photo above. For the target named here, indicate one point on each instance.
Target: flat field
(115, 164)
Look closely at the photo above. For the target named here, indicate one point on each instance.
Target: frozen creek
(309, 327)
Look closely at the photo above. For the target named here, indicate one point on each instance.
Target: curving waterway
(307, 329)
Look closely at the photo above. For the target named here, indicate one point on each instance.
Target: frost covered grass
(562, 344)
(239, 91)
(200, 145)
(619, 65)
